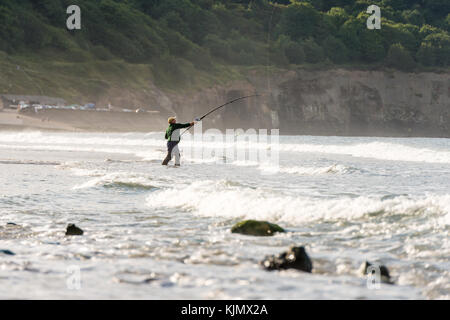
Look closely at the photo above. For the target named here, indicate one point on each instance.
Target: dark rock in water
(73, 230)
(7, 252)
(294, 258)
(256, 228)
(384, 272)
(11, 224)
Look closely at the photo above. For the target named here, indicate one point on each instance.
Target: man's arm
(182, 125)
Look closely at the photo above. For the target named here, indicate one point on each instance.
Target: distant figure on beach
(173, 137)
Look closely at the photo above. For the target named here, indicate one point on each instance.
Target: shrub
(295, 53)
(35, 31)
(299, 20)
(350, 35)
(413, 16)
(435, 50)
(335, 50)
(313, 52)
(338, 16)
(218, 47)
(400, 58)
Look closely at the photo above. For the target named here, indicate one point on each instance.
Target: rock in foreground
(294, 258)
(256, 228)
(73, 230)
(384, 272)
(10, 253)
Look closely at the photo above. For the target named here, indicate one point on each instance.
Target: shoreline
(59, 120)
(17, 128)
(80, 121)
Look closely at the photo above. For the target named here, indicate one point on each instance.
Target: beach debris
(383, 271)
(294, 258)
(256, 228)
(8, 252)
(73, 230)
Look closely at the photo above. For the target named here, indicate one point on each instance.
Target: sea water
(154, 232)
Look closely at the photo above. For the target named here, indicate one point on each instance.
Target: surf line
(217, 108)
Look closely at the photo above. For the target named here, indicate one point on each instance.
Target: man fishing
(173, 132)
(173, 137)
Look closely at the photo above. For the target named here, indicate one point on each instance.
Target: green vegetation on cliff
(179, 41)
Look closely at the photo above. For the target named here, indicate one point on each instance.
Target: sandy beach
(78, 120)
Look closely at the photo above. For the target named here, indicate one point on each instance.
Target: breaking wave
(220, 198)
(333, 169)
(375, 150)
(152, 145)
(119, 180)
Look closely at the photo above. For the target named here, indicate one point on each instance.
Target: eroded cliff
(336, 102)
(332, 102)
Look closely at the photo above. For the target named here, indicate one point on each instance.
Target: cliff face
(336, 102)
(333, 102)
(366, 103)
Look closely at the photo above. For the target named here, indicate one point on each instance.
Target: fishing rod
(223, 105)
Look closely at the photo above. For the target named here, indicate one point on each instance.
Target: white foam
(245, 163)
(118, 179)
(81, 172)
(73, 148)
(376, 148)
(223, 199)
(72, 138)
(29, 162)
(446, 220)
(333, 169)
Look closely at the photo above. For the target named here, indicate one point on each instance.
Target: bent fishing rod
(223, 105)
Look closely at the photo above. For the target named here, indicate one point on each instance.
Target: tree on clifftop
(400, 58)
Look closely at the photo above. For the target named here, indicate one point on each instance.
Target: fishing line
(217, 108)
